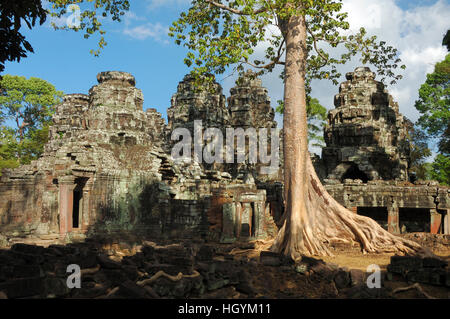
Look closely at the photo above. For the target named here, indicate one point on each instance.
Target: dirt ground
(285, 280)
(282, 282)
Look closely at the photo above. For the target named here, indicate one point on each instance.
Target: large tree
(434, 103)
(419, 152)
(220, 34)
(26, 106)
(434, 107)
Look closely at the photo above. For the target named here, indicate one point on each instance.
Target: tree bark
(313, 219)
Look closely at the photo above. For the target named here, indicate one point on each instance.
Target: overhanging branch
(325, 58)
(233, 10)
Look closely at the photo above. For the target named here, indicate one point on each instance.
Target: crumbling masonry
(108, 168)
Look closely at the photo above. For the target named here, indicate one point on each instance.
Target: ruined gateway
(108, 168)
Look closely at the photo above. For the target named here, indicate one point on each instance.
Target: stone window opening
(353, 172)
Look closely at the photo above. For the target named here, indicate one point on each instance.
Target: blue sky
(140, 45)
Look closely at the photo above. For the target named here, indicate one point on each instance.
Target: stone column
(66, 187)
(259, 218)
(435, 221)
(228, 221)
(446, 222)
(393, 220)
(84, 216)
(238, 219)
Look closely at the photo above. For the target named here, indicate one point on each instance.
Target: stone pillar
(435, 221)
(66, 187)
(238, 219)
(446, 222)
(84, 217)
(393, 220)
(259, 212)
(228, 221)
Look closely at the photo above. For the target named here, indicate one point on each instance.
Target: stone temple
(107, 167)
(366, 135)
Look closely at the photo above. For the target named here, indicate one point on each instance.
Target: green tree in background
(440, 169)
(446, 41)
(434, 101)
(26, 107)
(434, 106)
(419, 151)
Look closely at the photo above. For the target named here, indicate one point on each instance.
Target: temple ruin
(107, 167)
(364, 165)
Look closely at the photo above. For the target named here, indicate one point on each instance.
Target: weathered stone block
(269, 258)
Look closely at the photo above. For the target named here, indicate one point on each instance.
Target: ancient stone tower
(191, 104)
(365, 135)
(249, 104)
(248, 108)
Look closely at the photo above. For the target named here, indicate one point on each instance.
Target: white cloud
(130, 16)
(156, 31)
(153, 4)
(417, 33)
(423, 58)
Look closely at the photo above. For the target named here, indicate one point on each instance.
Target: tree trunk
(313, 219)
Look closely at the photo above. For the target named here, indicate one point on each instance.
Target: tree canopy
(434, 101)
(26, 107)
(14, 46)
(226, 33)
(419, 152)
(434, 106)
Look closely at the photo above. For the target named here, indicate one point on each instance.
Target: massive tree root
(320, 220)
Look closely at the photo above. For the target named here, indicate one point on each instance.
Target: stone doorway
(77, 211)
(71, 198)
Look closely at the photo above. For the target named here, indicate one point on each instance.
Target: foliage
(446, 41)
(419, 151)
(440, 169)
(434, 101)
(12, 14)
(26, 107)
(221, 34)
(434, 105)
(90, 16)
